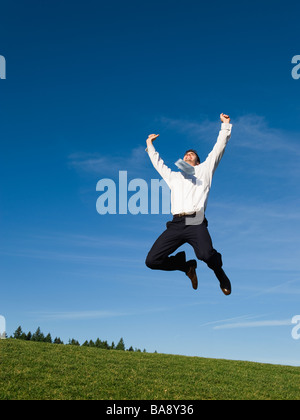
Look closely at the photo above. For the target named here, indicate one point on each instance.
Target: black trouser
(177, 234)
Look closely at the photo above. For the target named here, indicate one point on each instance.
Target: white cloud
(100, 314)
(247, 321)
(250, 131)
(254, 324)
(270, 147)
(109, 164)
(191, 128)
(81, 315)
(228, 319)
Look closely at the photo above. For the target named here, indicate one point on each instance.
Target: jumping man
(189, 195)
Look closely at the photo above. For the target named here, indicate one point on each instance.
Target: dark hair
(194, 151)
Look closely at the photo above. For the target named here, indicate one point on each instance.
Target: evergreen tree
(98, 343)
(38, 336)
(18, 333)
(120, 345)
(74, 342)
(105, 345)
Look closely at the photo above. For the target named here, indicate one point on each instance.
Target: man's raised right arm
(156, 160)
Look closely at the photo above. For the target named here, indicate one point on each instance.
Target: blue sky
(86, 83)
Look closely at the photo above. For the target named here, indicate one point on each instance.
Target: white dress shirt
(189, 193)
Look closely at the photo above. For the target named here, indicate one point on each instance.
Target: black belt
(185, 215)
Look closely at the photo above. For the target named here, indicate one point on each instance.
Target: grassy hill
(30, 370)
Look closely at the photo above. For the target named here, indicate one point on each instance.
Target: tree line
(38, 336)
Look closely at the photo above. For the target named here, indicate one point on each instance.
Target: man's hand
(225, 118)
(151, 138)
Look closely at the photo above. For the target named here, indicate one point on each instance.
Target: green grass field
(30, 370)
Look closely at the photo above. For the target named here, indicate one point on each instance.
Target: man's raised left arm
(213, 159)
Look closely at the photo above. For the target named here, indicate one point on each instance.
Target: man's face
(191, 158)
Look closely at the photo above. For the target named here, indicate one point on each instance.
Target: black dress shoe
(191, 273)
(224, 281)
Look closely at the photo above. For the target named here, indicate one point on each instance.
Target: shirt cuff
(151, 149)
(226, 126)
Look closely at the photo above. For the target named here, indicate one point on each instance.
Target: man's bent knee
(150, 262)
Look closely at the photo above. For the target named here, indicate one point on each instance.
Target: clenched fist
(225, 118)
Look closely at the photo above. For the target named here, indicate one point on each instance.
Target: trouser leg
(158, 257)
(199, 238)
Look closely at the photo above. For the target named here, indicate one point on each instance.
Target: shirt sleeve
(164, 171)
(213, 159)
